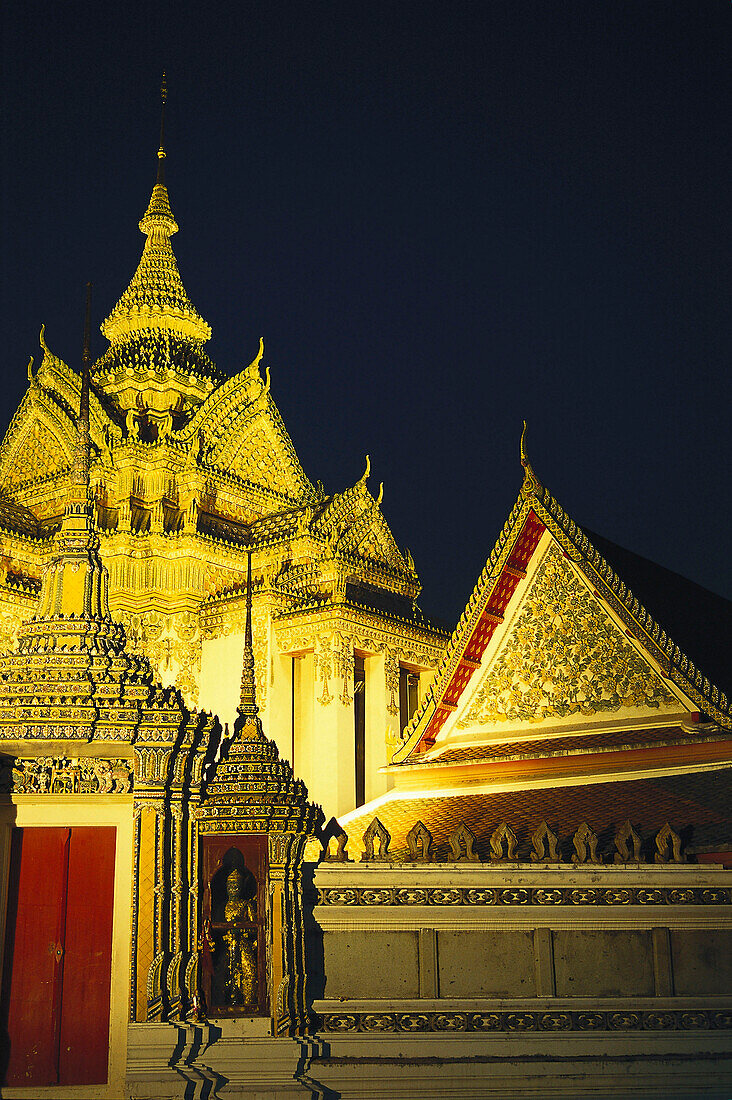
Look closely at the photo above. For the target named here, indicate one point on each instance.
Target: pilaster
(382, 718)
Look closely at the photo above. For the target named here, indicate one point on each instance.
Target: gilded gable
(563, 658)
(39, 451)
(249, 439)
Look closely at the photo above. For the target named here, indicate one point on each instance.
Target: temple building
(189, 466)
(267, 833)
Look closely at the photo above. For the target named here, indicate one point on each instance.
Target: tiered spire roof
(156, 299)
(251, 762)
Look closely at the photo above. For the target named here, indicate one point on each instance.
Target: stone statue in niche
(241, 944)
(232, 936)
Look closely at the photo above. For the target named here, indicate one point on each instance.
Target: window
(408, 696)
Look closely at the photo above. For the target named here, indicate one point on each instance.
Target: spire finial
(531, 483)
(81, 459)
(75, 581)
(156, 298)
(161, 149)
(522, 451)
(248, 702)
(367, 472)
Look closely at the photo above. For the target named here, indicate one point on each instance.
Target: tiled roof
(17, 519)
(700, 621)
(592, 741)
(697, 806)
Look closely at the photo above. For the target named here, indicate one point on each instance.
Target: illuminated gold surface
(564, 656)
(156, 297)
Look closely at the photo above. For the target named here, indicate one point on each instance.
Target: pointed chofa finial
(248, 702)
(367, 472)
(161, 148)
(531, 483)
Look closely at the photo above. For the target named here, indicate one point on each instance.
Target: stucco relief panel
(173, 645)
(10, 622)
(564, 656)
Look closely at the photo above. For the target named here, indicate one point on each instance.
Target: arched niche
(234, 974)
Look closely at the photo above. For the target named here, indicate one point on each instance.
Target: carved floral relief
(564, 656)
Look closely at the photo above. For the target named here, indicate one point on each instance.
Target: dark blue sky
(443, 217)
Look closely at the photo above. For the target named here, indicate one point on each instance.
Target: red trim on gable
(500, 597)
(725, 858)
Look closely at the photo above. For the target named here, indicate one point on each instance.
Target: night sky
(443, 218)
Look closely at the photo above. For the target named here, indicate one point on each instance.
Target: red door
(58, 949)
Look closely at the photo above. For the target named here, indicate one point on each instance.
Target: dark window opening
(408, 696)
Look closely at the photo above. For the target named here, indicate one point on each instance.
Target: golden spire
(161, 148)
(156, 298)
(74, 580)
(248, 703)
(82, 448)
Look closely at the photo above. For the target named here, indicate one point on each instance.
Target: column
(333, 773)
(382, 720)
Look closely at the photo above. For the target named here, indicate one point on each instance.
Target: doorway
(58, 951)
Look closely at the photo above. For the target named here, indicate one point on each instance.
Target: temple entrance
(57, 962)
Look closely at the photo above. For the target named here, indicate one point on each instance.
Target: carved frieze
(527, 896)
(66, 775)
(529, 1020)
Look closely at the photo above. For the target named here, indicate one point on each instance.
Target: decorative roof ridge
(677, 665)
(370, 519)
(244, 380)
(259, 402)
(31, 394)
(318, 604)
(468, 619)
(49, 357)
(534, 496)
(60, 391)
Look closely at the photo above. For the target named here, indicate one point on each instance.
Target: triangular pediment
(256, 451)
(354, 526)
(561, 660)
(243, 433)
(554, 642)
(379, 544)
(39, 444)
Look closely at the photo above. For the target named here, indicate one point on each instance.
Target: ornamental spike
(248, 703)
(81, 458)
(161, 148)
(365, 475)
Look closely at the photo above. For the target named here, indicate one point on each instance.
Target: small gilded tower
(253, 825)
